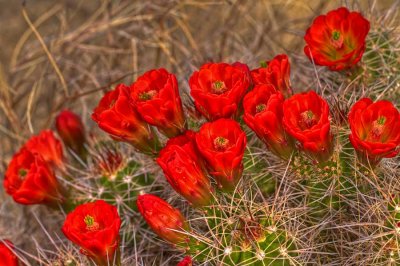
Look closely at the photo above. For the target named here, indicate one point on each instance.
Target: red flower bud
(166, 221)
(187, 261)
(108, 161)
(306, 118)
(71, 130)
(375, 129)
(184, 169)
(30, 180)
(156, 98)
(46, 145)
(337, 39)
(218, 88)
(275, 72)
(116, 116)
(7, 256)
(95, 228)
(222, 144)
(263, 113)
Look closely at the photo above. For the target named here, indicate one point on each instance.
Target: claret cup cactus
(247, 167)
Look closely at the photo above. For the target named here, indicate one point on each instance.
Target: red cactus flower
(218, 88)
(245, 68)
(222, 144)
(263, 113)
(275, 72)
(48, 146)
(375, 130)
(7, 256)
(187, 261)
(30, 180)
(306, 118)
(166, 221)
(337, 39)
(95, 228)
(116, 116)
(71, 130)
(184, 169)
(156, 98)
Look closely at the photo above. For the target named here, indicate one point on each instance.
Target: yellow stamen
(22, 172)
(337, 39)
(260, 108)
(220, 143)
(218, 87)
(308, 118)
(91, 224)
(377, 127)
(147, 95)
(335, 35)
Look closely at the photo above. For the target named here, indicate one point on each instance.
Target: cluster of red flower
(30, 177)
(222, 93)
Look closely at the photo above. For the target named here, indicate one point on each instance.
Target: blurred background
(13, 25)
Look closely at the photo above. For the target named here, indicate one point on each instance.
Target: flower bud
(166, 221)
(109, 160)
(184, 169)
(187, 261)
(71, 130)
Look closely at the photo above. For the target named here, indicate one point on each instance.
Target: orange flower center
(221, 143)
(147, 95)
(218, 87)
(337, 39)
(261, 107)
(377, 127)
(91, 224)
(308, 119)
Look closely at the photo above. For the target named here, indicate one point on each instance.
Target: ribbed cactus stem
(327, 183)
(256, 166)
(243, 240)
